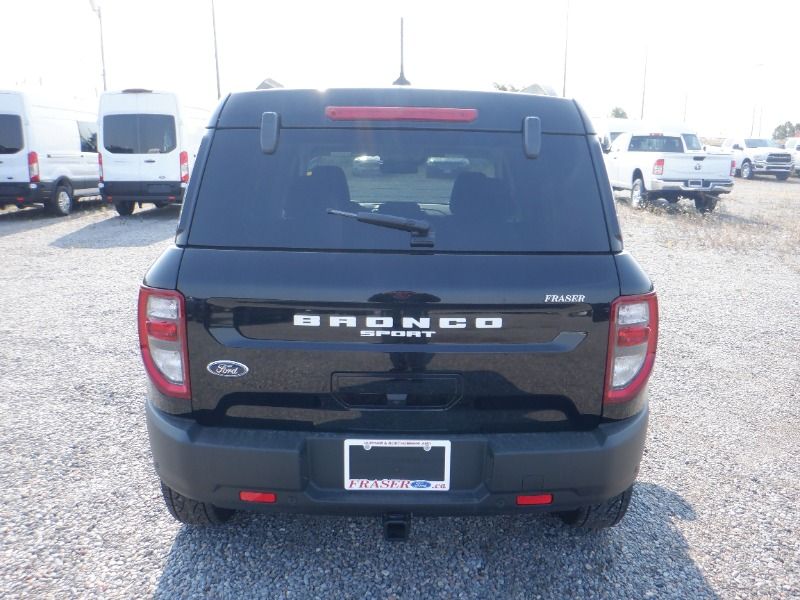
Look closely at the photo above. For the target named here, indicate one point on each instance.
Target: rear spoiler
(531, 134)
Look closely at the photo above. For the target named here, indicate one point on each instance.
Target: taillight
(658, 167)
(162, 338)
(33, 167)
(633, 333)
(184, 167)
(100, 164)
(733, 168)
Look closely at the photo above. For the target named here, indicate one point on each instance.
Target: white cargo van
(148, 144)
(48, 151)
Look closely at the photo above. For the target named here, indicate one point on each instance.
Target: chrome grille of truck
(779, 158)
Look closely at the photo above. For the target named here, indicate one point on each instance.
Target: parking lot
(714, 515)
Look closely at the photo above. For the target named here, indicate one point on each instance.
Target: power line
(216, 57)
(566, 48)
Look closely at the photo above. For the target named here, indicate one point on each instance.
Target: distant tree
(619, 113)
(786, 130)
(506, 87)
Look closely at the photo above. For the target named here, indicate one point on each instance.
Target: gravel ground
(715, 514)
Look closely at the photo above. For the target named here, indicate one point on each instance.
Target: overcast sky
(709, 59)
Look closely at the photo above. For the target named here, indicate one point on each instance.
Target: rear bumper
(23, 193)
(712, 186)
(142, 191)
(306, 471)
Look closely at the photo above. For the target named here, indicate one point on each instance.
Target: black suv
(397, 344)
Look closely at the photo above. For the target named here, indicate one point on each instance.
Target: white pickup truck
(668, 165)
(758, 156)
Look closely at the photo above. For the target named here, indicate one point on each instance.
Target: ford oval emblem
(421, 485)
(227, 368)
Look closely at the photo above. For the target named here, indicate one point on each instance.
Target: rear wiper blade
(421, 234)
(390, 221)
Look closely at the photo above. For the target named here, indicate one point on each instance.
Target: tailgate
(397, 342)
(696, 166)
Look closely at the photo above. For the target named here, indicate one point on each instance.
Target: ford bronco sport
(398, 344)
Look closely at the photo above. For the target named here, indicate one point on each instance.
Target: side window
(620, 143)
(88, 133)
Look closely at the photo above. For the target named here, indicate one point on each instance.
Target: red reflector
(20, 199)
(632, 336)
(534, 500)
(170, 197)
(263, 497)
(163, 330)
(400, 113)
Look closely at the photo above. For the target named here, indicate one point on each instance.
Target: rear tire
(124, 209)
(192, 512)
(747, 170)
(599, 516)
(61, 203)
(639, 195)
(160, 204)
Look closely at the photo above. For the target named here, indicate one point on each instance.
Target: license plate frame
(359, 475)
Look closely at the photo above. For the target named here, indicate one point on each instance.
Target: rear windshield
(655, 143)
(476, 190)
(692, 141)
(760, 143)
(139, 134)
(10, 134)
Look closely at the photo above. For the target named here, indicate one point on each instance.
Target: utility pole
(760, 117)
(758, 82)
(685, 105)
(402, 79)
(644, 81)
(96, 9)
(566, 48)
(216, 56)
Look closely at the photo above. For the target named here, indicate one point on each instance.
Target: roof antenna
(402, 79)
